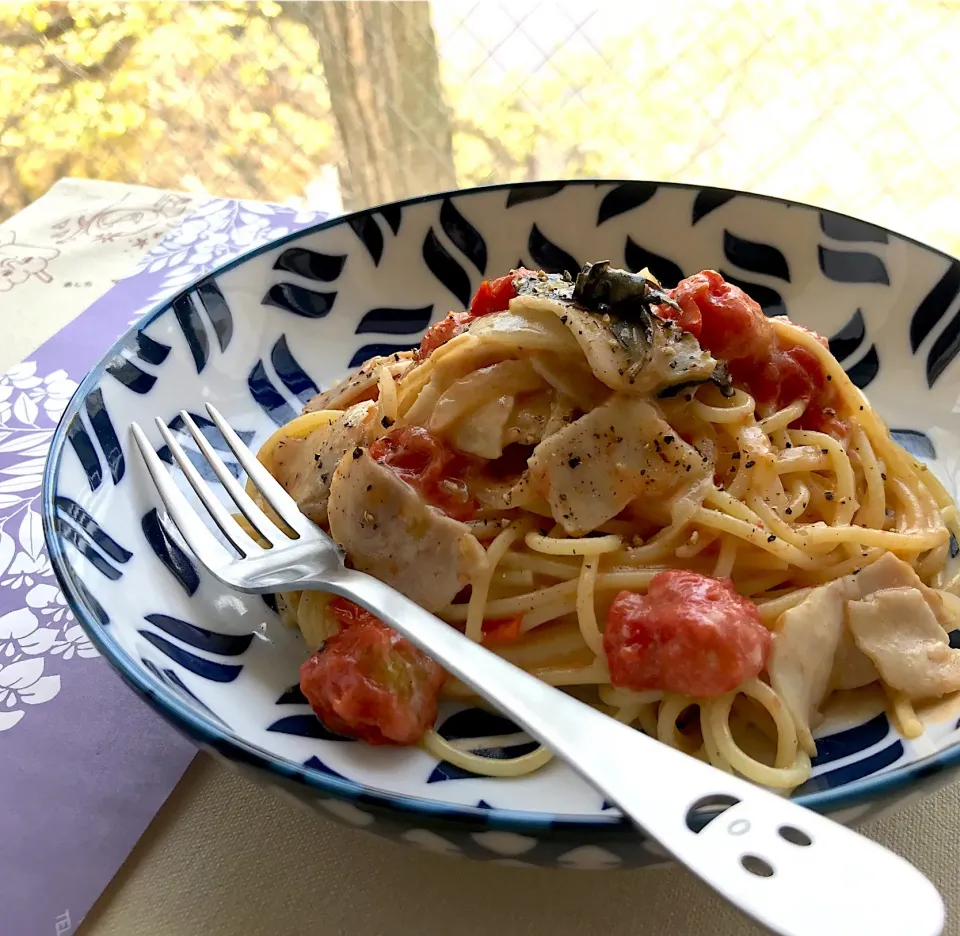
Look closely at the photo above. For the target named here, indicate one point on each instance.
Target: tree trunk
(382, 68)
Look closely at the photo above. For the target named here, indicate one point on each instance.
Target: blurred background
(852, 105)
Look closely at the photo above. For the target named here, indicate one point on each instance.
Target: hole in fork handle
(757, 866)
(794, 836)
(708, 808)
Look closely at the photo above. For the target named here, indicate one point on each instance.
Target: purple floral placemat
(84, 764)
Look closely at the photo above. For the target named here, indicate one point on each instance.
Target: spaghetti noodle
(659, 500)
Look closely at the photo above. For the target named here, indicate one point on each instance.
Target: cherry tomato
(368, 682)
(494, 295)
(789, 375)
(689, 318)
(441, 332)
(434, 469)
(732, 326)
(502, 630)
(783, 378)
(690, 634)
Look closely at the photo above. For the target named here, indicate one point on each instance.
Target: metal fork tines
(194, 531)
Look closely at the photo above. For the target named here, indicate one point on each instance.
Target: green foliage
(230, 98)
(850, 105)
(220, 96)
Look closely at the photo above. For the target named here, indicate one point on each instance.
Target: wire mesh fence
(853, 105)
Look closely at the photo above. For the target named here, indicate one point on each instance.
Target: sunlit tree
(844, 104)
(220, 96)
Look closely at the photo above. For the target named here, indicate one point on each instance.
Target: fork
(794, 871)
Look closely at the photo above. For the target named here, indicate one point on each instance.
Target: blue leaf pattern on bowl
(218, 340)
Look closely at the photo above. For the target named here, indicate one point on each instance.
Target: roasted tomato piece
(689, 318)
(784, 378)
(801, 376)
(732, 325)
(368, 682)
(441, 332)
(502, 630)
(494, 295)
(433, 468)
(789, 375)
(733, 328)
(690, 634)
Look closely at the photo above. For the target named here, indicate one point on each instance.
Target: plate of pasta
(688, 454)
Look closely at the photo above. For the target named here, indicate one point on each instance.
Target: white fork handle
(838, 885)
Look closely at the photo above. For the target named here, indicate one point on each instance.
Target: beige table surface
(227, 858)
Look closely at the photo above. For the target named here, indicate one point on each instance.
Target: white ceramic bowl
(262, 334)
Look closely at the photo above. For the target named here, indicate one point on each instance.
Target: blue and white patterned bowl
(262, 334)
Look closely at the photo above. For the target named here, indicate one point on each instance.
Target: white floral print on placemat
(39, 635)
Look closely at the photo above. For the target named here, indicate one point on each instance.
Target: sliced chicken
(361, 384)
(571, 379)
(897, 629)
(852, 668)
(633, 357)
(891, 572)
(529, 418)
(305, 467)
(619, 452)
(482, 433)
(529, 328)
(388, 531)
(462, 398)
(611, 315)
(608, 360)
(427, 382)
(802, 659)
(562, 411)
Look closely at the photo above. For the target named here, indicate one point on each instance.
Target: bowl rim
(206, 732)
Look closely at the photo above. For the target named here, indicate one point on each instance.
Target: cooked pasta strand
(542, 538)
